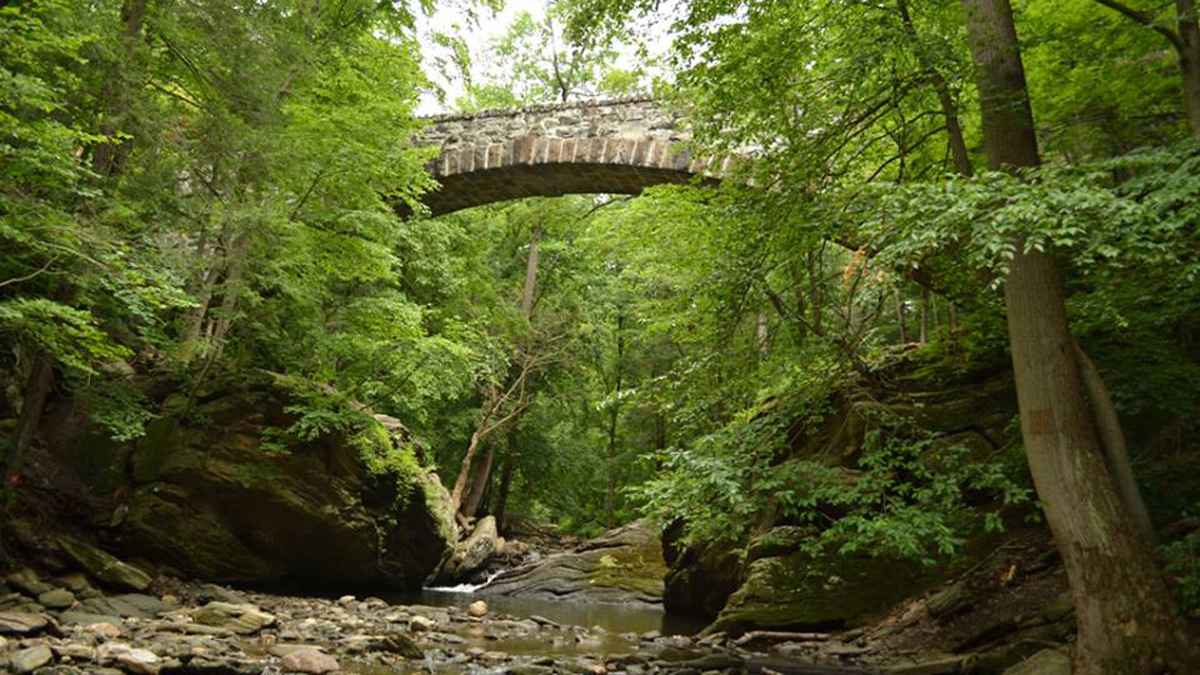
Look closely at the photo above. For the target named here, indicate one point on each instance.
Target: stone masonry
(617, 146)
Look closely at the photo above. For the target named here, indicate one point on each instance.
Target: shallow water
(612, 618)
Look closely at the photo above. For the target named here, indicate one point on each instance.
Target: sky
(446, 19)
(454, 18)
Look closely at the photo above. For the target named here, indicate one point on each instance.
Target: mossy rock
(799, 591)
(208, 495)
(623, 566)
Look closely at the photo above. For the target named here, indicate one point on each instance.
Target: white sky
(453, 18)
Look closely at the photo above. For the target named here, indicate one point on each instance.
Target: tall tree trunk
(37, 388)
(614, 414)
(1189, 61)
(1116, 451)
(531, 270)
(464, 472)
(506, 476)
(1127, 622)
(108, 158)
(924, 315)
(479, 483)
(761, 335)
(901, 317)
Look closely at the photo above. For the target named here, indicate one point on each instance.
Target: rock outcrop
(470, 554)
(624, 566)
(218, 490)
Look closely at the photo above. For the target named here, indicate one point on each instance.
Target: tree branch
(1144, 19)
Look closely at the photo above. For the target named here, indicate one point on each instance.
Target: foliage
(1183, 565)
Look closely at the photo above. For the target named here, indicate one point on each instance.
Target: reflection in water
(612, 618)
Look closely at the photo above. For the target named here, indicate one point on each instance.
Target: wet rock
(105, 567)
(59, 598)
(1045, 662)
(30, 659)
(22, 622)
(75, 582)
(309, 661)
(478, 609)
(241, 619)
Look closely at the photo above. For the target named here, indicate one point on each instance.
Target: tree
(1127, 621)
(1184, 39)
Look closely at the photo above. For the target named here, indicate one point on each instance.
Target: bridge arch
(617, 146)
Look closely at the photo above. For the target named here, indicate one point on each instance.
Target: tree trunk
(506, 476)
(614, 414)
(464, 472)
(901, 318)
(762, 336)
(531, 270)
(37, 388)
(482, 475)
(924, 315)
(1127, 622)
(1189, 61)
(108, 158)
(1116, 451)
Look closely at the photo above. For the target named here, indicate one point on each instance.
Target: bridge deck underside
(475, 188)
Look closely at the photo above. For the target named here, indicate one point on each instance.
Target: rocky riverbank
(64, 625)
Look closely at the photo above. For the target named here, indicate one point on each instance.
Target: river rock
(1045, 662)
(623, 566)
(129, 659)
(477, 609)
(470, 554)
(105, 567)
(22, 622)
(208, 499)
(137, 605)
(241, 619)
(27, 581)
(30, 659)
(309, 661)
(420, 624)
(59, 598)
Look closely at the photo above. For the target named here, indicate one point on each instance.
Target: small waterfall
(465, 588)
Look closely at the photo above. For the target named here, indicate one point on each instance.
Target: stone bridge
(618, 146)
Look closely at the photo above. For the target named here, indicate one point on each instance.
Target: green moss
(638, 568)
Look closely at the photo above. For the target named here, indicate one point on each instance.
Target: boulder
(470, 554)
(218, 490)
(799, 591)
(623, 566)
(59, 598)
(104, 567)
(134, 605)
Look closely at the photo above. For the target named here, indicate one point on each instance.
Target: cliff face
(213, 491)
